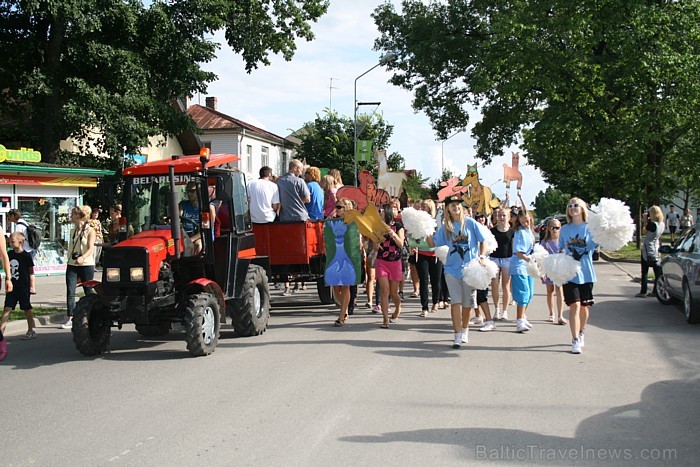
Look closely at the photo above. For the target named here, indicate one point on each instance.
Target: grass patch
(629, 252)
(38, 311)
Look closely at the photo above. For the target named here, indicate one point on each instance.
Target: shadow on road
(660, 429)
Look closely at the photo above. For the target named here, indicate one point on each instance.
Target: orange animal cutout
(512, 174)
(452, 187)
(367, 193)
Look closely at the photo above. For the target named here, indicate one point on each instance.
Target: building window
(265, 156)
(249, 158)
(284, 161)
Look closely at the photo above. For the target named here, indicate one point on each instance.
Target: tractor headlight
(136, 274)
(113, 275)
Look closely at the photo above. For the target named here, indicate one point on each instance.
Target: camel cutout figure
(392, 182)
(367, 193)
(479, 197)
(512, 174)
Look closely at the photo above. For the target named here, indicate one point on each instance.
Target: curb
(19, 326)
(606, 257)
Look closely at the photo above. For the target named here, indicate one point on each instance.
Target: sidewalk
(51, 293)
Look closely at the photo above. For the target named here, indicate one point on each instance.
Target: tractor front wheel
(251, 313)
(201, 324)
(92, 326)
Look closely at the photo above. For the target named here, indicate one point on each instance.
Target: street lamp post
(442, 151)
(386, 58)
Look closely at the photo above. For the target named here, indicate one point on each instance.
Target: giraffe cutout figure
(511, 173)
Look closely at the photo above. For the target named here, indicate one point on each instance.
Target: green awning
(49, 169)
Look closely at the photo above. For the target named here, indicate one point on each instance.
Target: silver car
(680, 277)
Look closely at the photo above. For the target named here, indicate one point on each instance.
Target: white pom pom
(418, 224)
(477, 276)
(490, 242)
(539, 252)
(611, 226)
(533, 269)
(441, 253)
(560, 268)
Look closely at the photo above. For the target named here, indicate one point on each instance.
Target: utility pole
(330, 94)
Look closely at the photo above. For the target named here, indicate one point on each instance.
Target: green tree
(415, 188)
(599, 94)
(109, 72)
(328, 142)
(550, 201)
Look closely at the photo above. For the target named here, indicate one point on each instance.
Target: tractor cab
(186, 255)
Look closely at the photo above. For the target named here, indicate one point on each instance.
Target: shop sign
(85, 182)
(19, 155)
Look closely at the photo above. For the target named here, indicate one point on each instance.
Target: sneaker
(520, 326)
(465, 336)
(477, 321)
(29, 336)
(457, 343)
(368, 305)
(3, 349)
(651, 294)
(488, 326)
(581, 338)
(68, 324)
(499, 314)
(641, 295)
(287, 292)
(504, 315)
(376, 309)
(575, 346)
(401, 295)
(527, 323)
(296, 290)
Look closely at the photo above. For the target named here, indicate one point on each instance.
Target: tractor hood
(146, 249)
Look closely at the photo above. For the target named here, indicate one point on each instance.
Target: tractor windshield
(148, 203)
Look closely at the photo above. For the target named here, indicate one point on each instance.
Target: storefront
(44, 195)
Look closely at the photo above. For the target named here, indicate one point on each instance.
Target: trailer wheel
(92, 326)
(251, 313)
(153, 330)
(201, 324)
(325, 293)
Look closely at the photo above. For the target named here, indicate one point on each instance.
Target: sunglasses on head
(340, 206)
(554, 227)
(574, 205)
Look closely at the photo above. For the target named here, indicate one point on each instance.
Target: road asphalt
(307, 393)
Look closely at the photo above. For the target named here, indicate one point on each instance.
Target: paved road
(306, 393)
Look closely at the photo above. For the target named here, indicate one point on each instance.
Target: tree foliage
(598, 93)
(327, 141)
(550, 201)
(108, 71)
(415, 188)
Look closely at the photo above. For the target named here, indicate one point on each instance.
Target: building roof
(210, 119)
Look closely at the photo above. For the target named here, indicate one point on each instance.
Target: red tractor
(186, 255)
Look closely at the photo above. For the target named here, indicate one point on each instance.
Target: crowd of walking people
(398, 259)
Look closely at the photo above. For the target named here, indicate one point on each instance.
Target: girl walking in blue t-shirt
(575, 240)
(462, 236)
(522, 283)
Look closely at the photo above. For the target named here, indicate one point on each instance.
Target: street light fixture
(442, 150)
(386, 58)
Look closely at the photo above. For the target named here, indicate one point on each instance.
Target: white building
(256, 147)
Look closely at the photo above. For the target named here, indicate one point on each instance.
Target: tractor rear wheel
(251, 313)
(201, 323)
(153, 330)
(92, 326)
(325, 293)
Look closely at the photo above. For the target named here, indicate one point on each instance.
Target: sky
(283, 96)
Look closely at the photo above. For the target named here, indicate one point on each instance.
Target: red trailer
(295, 251)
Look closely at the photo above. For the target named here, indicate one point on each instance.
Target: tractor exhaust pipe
(174, 213)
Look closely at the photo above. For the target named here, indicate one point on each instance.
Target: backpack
(33, 235)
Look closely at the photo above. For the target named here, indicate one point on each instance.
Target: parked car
(680, 274)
